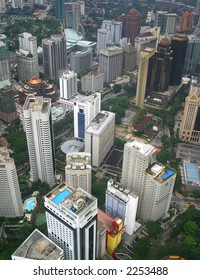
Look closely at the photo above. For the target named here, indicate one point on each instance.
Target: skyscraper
(190, 125)
(72, 15)
(136, 159)
(99, 136)
(59, 8)
(122, 203)
(68, 83)
(145, 67)
(192, 55)
(39, 134)
(54, 55)
(8, 111)
(10, 198)
(27, 57)
(166, 22)
(78, 170)
(115, 27)
(132, 25)
(104, 38)
(179, 43)
(79, 60)
(186, 22)
(71, 216)
(110, 61)
(4, 62)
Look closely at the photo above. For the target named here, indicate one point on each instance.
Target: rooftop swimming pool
(168, 173)
(30, 204)
(61, 196)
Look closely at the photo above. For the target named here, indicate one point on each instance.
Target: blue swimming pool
(61, 196)
(30, 204)
(167, 174)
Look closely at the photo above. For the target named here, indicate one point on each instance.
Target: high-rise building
(192, 55)
(92, 81)
(190, 125)
(4, 62)
(68, 83)
(10, 198)
(145, 67)
(38, 247)
(132, 25)
(71, 216)
(39, 134)
(158, 80)
(122, 203)
(79, 60)
(78, 170)
(115, 27)
(104, 38)
(99, 136)
(54, 55)
(186, 22)
(179, 43)
(59, 8)
(2, 6)
(27, 57)
(136, 159)
(17, 4)
(166, 22)
(8, 111)
(72, 15)
(155, 192)
(129, 57)
(110, 61)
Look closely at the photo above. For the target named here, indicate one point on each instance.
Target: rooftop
(160, 172)
(100, 121)
(70, 199)
(80, 98)
(120, 188)
(72, 146)
(145, 149)
(37, 246)
(37, 103)
(78, 160)
(191, 172)
(4, 155)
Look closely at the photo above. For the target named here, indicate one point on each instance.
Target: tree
(142, 248)
(153, 229)
(189, 241)
(117, 88)
(190, 228)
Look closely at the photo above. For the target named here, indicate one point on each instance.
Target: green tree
(153, 229)
(142, 248)
(117, 88)
(190, 228)
(189, 241)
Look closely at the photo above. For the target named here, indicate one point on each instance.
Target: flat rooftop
(191, 172)
(74, 200)
(38, 247)
(100, 121)
(121, 188)
(145, 149)
(4, 155)
(79, 98)
(160, 172)
(78, 160)
(37, 103)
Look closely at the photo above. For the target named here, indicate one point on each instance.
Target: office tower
(8, 111)
(136, 159)
(54, 55)
(145, 66)
(37, 247)
(114, 230)
(155, 192)
(142, 42)
(110, 61)
(59, 8)
(71, 216)
(197, 11)
(115, 27)
(129, 57)
(186, 22)
(85, 109)
(10, 198)
(72, 15)
(190, 125)
(78, 171)
(39, 135)
(132, 25)
(92, 81)
(104, 38)
(79, 60)
(68, 83)
(27, 57)
(2, 6)
(166, 22)
(192, 55)
(122, 19)
(4, 62)
(99, 137)
(101, 239)
(122, 203)
(161, 69)
(179, 43)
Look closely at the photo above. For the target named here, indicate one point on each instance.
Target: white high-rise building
(115, 27)
(104, 38)
(78, 170)
(71, 216)
(166, 22)
(110, 61)
(136, 159)
(68, 84)
(39, 135)
(122, 203)
(155, 192)
(92, 81)
(99, 136)
(141, 43)
(27, 57)
(10, 198)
